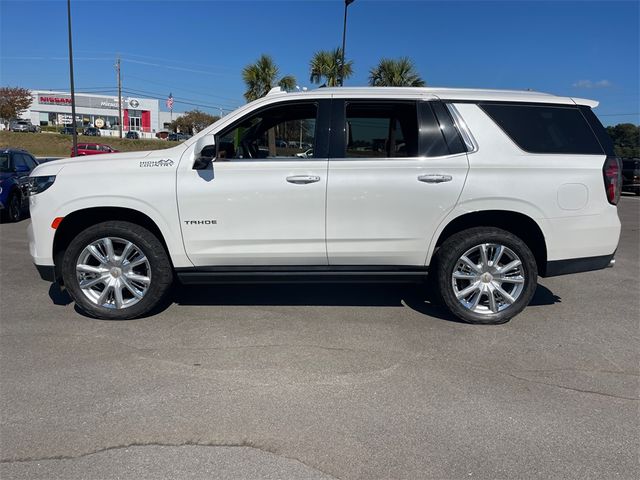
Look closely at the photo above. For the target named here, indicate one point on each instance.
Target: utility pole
(119, 96)
(73, 94)
(344, 39)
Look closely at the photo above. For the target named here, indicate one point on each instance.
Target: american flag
(170, 102)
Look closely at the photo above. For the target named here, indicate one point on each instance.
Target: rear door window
(381, 130)
(545, 128)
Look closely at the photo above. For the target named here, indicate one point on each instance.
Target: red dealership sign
(54, 100)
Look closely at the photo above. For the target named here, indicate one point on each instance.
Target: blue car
(15, 167)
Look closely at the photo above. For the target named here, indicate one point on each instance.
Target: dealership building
(142, 115)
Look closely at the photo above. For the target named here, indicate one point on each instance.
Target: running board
(302, 274)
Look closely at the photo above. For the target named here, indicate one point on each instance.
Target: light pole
(73, 95)
(344, 39)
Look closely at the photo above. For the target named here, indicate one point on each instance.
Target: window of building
(544, 128)
(381, 130)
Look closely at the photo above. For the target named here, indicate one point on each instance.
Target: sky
(196, 49)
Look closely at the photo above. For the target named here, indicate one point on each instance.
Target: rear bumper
(576, 265)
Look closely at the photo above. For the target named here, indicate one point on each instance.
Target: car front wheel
(13, 212)
(486, 275)
(116, 270)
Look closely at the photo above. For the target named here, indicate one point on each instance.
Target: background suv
(91, 132)
(23, 126)
(473, 193)
(15, 167)
(631, 175)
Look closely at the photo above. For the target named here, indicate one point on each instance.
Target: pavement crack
(594, 392)
(188, 443)
(583, 370)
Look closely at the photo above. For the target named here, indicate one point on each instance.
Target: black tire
(13, 210)
(148, 244)
(447, 259)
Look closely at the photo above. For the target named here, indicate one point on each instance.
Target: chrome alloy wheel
(488, 278)
(113, 273)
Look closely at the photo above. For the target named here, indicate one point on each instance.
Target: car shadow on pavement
(344, 294)
(306, 294)
(58, 295)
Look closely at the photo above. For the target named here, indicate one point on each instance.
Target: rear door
(396, 169)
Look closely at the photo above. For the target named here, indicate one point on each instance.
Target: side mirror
(21, 169)
(204, 152)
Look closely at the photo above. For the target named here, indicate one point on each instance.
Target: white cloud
(592, 84)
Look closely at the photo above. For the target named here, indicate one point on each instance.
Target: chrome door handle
(435, 178)
(303, 179)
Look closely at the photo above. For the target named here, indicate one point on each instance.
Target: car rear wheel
(486, 275)
(117, 270)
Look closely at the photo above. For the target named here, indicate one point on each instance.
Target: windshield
(4, 162)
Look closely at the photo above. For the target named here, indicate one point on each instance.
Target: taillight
(612, 173)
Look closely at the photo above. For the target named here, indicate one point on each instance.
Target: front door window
(285, 131)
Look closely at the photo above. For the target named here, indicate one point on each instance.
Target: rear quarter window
(544, 128)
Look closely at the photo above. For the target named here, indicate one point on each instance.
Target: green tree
(395, 73)
(193, 121)
(14, 101)
(326, 64)
(262, 76)
(626, 139)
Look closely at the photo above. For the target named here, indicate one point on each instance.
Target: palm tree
(262, 76)
(326, 64)
(395, 73)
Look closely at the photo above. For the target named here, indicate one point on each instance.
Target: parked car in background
(631, 175)
(132, 135)
(93, 149)
(23, 126)
(92, 132)
(67, 131)
(15, 167)
(178, 137)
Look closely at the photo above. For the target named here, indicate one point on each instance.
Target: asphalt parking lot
(311, 381)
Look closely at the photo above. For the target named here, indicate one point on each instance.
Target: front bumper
(47, 272)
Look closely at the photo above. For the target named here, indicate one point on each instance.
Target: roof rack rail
(275, 91)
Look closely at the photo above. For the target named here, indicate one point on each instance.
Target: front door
(393, 177)
(263, 200)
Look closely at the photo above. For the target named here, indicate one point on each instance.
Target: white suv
(474, 192)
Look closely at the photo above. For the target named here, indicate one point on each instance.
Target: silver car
(22, 126)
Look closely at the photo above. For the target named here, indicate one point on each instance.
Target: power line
(182, 89)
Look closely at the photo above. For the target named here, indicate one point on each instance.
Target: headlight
(40, 184)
